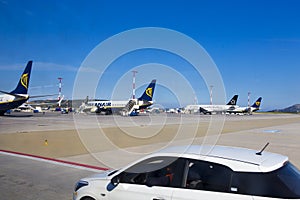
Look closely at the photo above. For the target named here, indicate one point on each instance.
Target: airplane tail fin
(148, 93)
(257, 103)
(233, 101)
(23, 84)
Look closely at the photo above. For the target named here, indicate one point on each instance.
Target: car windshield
(290, 176)
(151, 164)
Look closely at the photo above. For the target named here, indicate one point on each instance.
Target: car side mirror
(115, 180)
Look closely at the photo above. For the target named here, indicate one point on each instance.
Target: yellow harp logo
(149, 92)
(257, 103)
(24, 80)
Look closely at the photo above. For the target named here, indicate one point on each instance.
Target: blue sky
(255, 44)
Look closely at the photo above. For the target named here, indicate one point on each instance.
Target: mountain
(292, 109)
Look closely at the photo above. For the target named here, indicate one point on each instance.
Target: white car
(182, 173)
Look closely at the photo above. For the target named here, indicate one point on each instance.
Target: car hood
(103, 175)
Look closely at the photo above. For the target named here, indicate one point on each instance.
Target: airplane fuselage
(103, 104)
(243, 110)
(209, 109)
(127, 107)
(216, 108)
(8, 102)
(107, 105)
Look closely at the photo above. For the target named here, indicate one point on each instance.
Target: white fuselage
(93, 106)
(5, 98)
(210, 108)
(107, 103)
(238, 109)
(8, 102)
(216, 108)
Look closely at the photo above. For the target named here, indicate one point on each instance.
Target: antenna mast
(260, 153)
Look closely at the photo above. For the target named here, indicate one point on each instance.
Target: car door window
(206, 181)
(209, 176)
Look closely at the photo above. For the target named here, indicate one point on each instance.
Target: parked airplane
(209, 109)
(18, 96)
(249, 110)
(128, 107)
(15, 98)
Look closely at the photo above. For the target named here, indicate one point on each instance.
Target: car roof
(236, 158)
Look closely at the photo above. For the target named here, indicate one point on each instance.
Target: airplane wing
(23, 96)
(46, 95)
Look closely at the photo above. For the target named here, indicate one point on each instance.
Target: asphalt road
(26, 122)
(27, 179)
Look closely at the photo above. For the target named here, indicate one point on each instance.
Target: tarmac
(115, 141)
(85, 138)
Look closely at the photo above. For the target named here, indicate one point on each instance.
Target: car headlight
(80, 184)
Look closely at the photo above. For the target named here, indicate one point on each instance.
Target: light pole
(133, 83)
(211, 98)
(249, 99)
(59, 91)
(59, 87)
